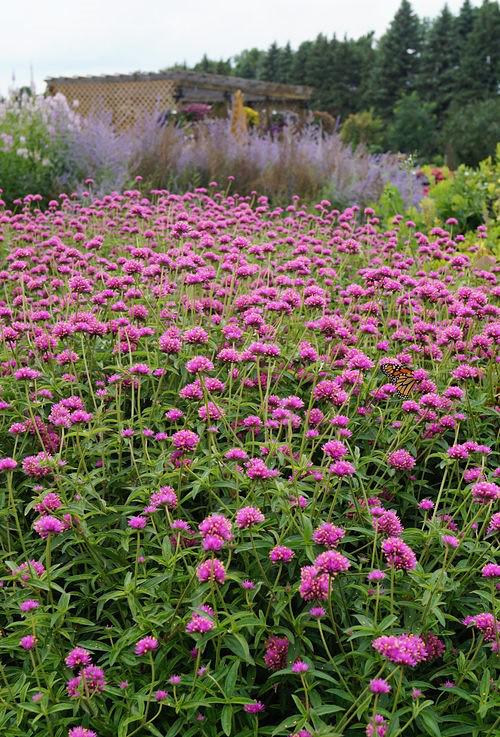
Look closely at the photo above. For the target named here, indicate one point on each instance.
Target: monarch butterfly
(402, 377)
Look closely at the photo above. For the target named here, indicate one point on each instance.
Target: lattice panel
(126, 100)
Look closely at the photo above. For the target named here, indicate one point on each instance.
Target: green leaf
(429, 723)
(239, 646)
(227, 719)
(231, 678)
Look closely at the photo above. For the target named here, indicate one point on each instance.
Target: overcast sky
(73, 37)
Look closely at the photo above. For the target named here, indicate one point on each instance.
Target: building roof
(200, 80)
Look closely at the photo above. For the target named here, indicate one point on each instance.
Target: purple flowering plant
(218, 517)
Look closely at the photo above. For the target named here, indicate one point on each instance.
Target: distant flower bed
(247, 472)
(46, 147)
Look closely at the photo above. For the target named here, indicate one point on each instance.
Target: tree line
(430, 87)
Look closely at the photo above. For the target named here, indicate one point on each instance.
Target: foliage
(472, 132)
(472, 196)
(363, 128)
(413, 127)
(218, 517)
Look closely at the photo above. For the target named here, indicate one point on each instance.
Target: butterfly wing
(402, 377)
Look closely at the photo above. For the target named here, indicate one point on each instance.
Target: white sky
(76, 37)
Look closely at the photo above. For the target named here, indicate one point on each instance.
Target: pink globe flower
(248, 517)
(146, 645)
(401, 460)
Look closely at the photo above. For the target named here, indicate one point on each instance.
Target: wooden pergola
(128, 96)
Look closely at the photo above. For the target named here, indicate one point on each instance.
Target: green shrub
(363, 128)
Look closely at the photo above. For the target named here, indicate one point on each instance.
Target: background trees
(434, 84)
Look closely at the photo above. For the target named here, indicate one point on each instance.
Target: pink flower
(78, 656)
(199, 364)
(248, 516)
(254, 708)
(257, 469)
(137, 523)
(313, 584)
(81, 732)
(7, 464)
(211, 570)
(328, 535)
(48, 525)
(185, 440)
(146, 645)
(28, 642)
(29, 605)
(342, 468)
(402, 649)
(331, 562)
(281, 554)
(379, 685)
(398, 554)
(485, 492)
(450, 540)
(276, 653)
(491, 570)
(401, 459)
(199, 624)
(377, 726)
(299, 666)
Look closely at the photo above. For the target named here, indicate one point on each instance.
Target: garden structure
(128, 96)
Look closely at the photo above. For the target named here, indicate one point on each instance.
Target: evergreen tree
(439, 62)
(397, 60)
(249, 63)
(479, 73)
(298, 71)
(285, 63)
(270, 66)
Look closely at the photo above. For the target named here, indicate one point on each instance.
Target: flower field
(247, 471)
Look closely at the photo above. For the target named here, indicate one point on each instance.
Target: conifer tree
(397, 61)
(439, 62)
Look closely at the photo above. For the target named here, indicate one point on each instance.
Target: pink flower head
(398, 554)
(248, 517)
(276, 653)
(256, 707)
(137, 523)
(485, 492)
(211, 570)
(200, 624)
(29, 605)
(81, 732)
(331, 562)
(257, 469)
(78, 656)
(146, 645)
(491, 570)
(48, 525)
(314, 584)
(299, 666)
(377, 727)
(328, 535)
(281, 554)
(450, 540)
(215, 531)
(28, 642)
(185, 440)
(7, 464)
(379, 686)
(401, 649)
(401, 460)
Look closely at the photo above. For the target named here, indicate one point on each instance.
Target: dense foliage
(443, 64)
(218, 515)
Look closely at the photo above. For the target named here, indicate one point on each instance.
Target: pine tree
(249, 63)
(285, 63)
(270, 67)
(299, 67)
(479, 73)
(397, 60)
(439, 62)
